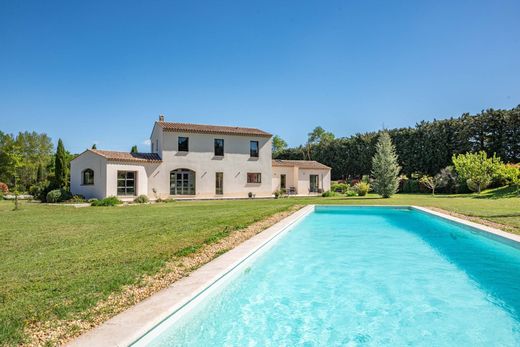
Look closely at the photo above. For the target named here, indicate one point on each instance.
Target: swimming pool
(351, 276)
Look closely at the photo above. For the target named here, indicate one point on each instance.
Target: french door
(182, 182)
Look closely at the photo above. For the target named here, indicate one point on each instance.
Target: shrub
(279, 193)
(362, 188)
(339, 187)
(57, 195)
(328, 194)
(109, 201)
(4, 188)
(141, 199)
(409, 185)
(510, 175)
(76, 199)
(477, 169)
(92, 200)
(350, 192)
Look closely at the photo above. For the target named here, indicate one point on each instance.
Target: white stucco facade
(197, 172)
(298, 178)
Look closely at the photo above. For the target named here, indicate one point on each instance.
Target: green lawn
(58, 260)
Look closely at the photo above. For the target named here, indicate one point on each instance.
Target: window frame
(83, 181)
(215, 147)
(126, 179)
(187, 144)
(254, 177)
(251, 153)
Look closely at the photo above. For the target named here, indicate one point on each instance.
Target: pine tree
(60, 166)
(134, 149)
(384, 167)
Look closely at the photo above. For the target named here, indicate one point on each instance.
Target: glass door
(283, 182)
(313, 183)
(182, 182)
(219, 183)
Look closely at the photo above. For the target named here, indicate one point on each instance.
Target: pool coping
(130, 325)
(481, 227)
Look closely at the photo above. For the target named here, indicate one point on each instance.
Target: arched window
(88, 177)
(182, 182)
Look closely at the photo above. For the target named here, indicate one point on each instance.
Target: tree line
(424, 149)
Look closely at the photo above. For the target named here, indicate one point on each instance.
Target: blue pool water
(361, 276)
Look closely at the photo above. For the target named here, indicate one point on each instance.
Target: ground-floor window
(88, 177)
(182, 182)
(314, 183)
(254, 177)
(126, 182)
(219, 183)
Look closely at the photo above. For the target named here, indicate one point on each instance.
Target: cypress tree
(384, 167)
(40, 174)
(60, 166)
(134, 149)
(94, 146)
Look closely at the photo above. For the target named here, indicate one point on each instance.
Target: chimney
(161, 118)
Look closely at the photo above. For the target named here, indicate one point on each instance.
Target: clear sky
(90, 71)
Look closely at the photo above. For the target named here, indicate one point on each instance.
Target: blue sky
(89, 71)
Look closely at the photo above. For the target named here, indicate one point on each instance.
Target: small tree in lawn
(434, 182)
(60, 166)
(385, 168)
(477, 169)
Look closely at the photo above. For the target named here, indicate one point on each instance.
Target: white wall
(88, 160)
(144, 172)
(289, 172)
(304, 180)
(235, 164)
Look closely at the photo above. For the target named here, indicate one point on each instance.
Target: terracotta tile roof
(127, 156)
(212, 129)
(302, 164)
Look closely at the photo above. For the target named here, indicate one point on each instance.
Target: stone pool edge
(482, 227)
(130, 325)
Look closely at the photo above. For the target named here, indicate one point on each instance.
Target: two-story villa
(196, 161)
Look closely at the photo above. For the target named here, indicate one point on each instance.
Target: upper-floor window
(183, 144)
(253, 149)
(157, 145)
(88, 177)
(152, 148)
(219, 147)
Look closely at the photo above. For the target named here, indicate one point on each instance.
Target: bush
(328, 194)
(57, 195)
(92, 200)
(350, 192)
(279, 193)
(362, 188)
(339, 187)
(410, 185)
(141, 199)
(76, 199)
(110, 201)
(4, 188)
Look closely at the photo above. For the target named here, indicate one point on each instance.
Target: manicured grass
(58, 260)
